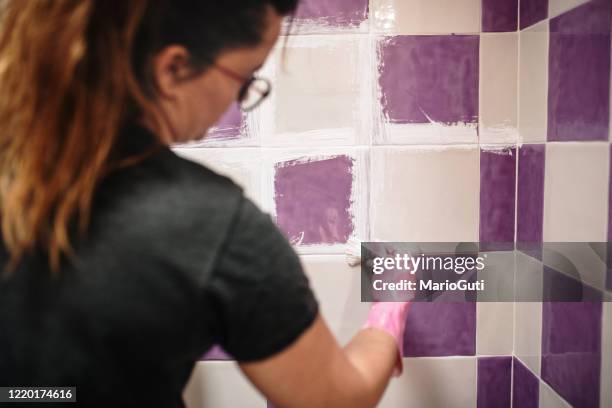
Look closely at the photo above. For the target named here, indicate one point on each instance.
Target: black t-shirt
(175, 260)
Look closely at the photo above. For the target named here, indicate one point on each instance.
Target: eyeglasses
(253, 91)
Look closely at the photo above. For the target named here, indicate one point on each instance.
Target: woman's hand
(390, 317)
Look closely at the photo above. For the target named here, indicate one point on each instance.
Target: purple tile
(579, 74)
(533, 11)
(560, 287)
(333, 12)
(229, 126)
(525, 386)
(494, 380)
(499, 15)
(609, 277)
(313, 200)
(530, 197)
(425, 79)
(216, 353)
(497, 187)
(441, 329)
(571, 345)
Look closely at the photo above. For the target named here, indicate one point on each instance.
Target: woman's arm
(316, 372)
(268, 320)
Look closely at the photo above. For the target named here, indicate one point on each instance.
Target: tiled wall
(563, 354)
(438, 120)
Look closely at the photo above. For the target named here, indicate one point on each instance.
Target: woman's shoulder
(195, 190)
(170, 176)
(170, 193)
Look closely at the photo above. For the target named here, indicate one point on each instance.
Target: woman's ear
(170, 68)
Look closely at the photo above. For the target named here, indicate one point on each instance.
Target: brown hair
(72, 73)
(65, 87)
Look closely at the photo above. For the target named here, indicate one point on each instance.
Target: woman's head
(195, 74)
(73, 72)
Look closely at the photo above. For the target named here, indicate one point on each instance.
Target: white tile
(576, 192)
(220, 384)
(550, 399)
(337, 287)
(606, 357)
(425, 194)
(557, 7)
(533, 83)
(425, 16)
(494, 328)
(432, 133)
(312, 104)
(498, 87)
(528, 334)
(242, 165)
(433, 383)
(494, 310)
(528, 279)
(498, 276)
(528, 315)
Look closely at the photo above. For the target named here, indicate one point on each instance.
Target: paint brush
(353, 252)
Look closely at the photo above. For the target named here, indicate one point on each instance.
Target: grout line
(516, 177)
(398, 145)
(527, 367)
(541, 382)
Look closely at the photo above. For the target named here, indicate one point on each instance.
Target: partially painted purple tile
(533, 11)
(430, 79)
(499, 15)
(494, 380)
(579, 74)
(441, 329)
(313, 200)
(571, 345)
(216, 353)
(530, 198)
(497, 187)
(333, 12)
(229, 126)
(525, 386)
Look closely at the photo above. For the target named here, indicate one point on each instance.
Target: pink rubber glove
(391, 318)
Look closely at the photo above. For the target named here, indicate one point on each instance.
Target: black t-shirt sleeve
(262, 299)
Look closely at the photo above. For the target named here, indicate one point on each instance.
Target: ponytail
(66, 87)
(72, 73)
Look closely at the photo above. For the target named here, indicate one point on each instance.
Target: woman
(124, 263)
